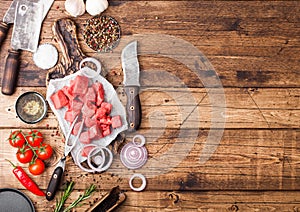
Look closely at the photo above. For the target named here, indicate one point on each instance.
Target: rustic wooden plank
(244, 159)
(261, 58)
(244, 108)
(190, 201)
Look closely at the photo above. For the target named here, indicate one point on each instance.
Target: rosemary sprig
(64, 197)
(88, 192)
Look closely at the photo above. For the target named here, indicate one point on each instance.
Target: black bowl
(31, 107)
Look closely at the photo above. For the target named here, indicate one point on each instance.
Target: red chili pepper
(26, 181)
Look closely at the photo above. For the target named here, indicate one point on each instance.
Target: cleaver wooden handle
(3, 32)
(133, 108)
(11, 71)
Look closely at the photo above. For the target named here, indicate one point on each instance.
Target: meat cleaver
(131, 69)
(27, 16)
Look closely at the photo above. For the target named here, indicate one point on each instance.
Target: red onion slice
(106, 160)
(133, 156)
(77, 159)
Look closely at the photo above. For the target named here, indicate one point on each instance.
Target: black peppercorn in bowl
(31, 107)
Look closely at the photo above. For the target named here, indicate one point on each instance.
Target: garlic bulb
(96, 7)
(75, 7)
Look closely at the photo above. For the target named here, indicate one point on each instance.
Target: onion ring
(88, 71)
(142, 140)
(142, 177)
(101, 167)
(77, 158)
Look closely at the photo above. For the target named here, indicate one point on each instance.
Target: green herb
(64, 197)
(81, 198)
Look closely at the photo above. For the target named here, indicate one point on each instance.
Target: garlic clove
(96, 7)
(75, 7)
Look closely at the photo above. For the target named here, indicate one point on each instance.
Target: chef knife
(131, 69)
(28, 20)
(7, 20)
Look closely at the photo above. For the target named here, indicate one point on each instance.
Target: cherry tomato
(16, 139)
(24, 155)
(34, 138)
(44, 152)
(37, 167)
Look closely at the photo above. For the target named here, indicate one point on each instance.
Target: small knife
(131, 69)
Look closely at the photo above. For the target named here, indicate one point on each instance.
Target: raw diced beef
(70, 115)
(59, 99)
(80, 85)
(105, 120)
(76, 105)
(107, 106)
(98, 88)
(89, 109)
(100, 113)
(90, 121)
(106, 132)
(67, 91)
(86, 150)
(84, 137)
(90, 96)
(95, 132)
(76, 128)
(116, 122)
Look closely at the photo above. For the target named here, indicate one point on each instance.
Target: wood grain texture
(253, 47)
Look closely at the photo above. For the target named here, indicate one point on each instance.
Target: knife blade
(131, 70)
(7, 20)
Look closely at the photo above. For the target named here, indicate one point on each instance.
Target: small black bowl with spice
(31, 107)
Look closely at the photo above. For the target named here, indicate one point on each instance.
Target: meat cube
(70, 115)
(107, 106)
(90, 121)
(67, 91)
(100, 113)
(98, 88)
(76, 128)
(105, 120)
(88, 109)
(86, 150)
(106, 132)
(116, 122)
(84, 138)
(90, 96)
(80, 85)
(59, 99)
(76, 105)
(95, 132)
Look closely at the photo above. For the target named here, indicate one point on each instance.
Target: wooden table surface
(254, 50)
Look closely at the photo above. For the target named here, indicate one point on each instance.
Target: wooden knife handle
(11, 71)
(54, 183)
(133, 108)
(3, 32)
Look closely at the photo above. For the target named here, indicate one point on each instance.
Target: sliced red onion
(106, 160)
(133, 156)
(139, 138)
(77, 159)
(142, 187)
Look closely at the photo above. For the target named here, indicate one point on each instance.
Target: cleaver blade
(27, 25)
